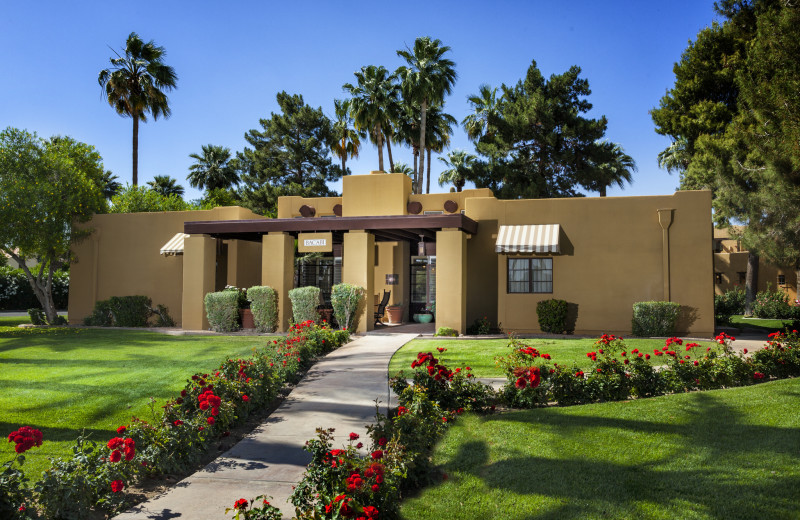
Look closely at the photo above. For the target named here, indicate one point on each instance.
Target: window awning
(174, 246)
(537, 238)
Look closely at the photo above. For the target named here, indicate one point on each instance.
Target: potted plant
(395, 312)
(245, 314)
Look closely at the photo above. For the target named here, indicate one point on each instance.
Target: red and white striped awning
(175, 245)
(536, 238)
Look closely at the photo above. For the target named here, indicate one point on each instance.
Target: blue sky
(232, 58)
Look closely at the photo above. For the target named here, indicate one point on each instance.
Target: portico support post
(277, 271)
(451, 279)
(199, 276)
(358, 268)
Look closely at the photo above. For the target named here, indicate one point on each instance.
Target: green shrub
(163, 319)
(447, 332)
(480, 327)
(552, 316)
(728, 304)
(305, 301)
(101, 316)
(346, 299)
(241, 296)
(37, 316)
(264, 305)
(130, 311)
(772, 305)
(222, 310)
(654, 318)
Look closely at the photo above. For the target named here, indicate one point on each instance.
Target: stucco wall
(121, 258)
(611, 257)
(729, 265)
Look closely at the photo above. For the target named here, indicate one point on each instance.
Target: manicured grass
(767, 326)
(62, 381)
(12, 321)
(704, 455)
(480, 354)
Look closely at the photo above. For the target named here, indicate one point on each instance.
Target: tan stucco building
(473, 255)
(730, 268)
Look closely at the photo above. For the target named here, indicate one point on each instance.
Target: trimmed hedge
(654, 319)
(552, 316)
(264, 306)
(128, 311)
(728, 304)
(346, 299)
(305, 301)
(222, 310)
(16, 292)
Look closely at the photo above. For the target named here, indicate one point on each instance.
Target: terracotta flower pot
(246, 315)
(395, 314)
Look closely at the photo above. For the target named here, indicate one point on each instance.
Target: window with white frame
(530, 275)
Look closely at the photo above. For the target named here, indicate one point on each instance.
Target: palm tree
(213, 169)
(426, 80)
(611, 166)
(440, 128)
(109, 185)
(376, 89)
(485, 106)
(166, 185)
(675, 157)
(401, 167)
(460, 164)
(135, 84)
(347, 139)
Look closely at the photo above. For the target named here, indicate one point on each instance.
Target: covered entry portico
(358, 237)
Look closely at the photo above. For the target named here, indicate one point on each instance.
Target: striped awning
(175, 245)
(538, 238)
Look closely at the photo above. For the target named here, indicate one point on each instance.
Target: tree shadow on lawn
(715, 436)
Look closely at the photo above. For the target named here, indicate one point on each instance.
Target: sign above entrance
(315, 242)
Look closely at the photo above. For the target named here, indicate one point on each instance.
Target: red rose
(354, 436)
(210, 420)
(117, 486)
(375, 488)
(245, 398)
(115, 443)
(377, 454)
(240, 504)
(115, 456)
(371, 511)
(382, 441)
(177, 422)
(360, 445)
(121, 429)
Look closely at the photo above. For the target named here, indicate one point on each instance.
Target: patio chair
(382, 307)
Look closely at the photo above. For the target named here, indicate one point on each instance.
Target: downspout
(665, 219)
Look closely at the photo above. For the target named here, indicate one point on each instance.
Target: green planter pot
(423, 318)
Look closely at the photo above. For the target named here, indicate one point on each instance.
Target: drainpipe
(665, 219)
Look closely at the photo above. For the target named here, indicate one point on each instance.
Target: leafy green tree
(289, 156)
(538, 141)
(459, 165)
(608, 165)
(426, 80)
(166, 185)
(374, 92)
(46, 186)
(219, 197)
(347, 140)
(134, 85)
(140, 199)
(213, 169)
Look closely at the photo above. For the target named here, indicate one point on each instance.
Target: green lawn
(64, 380)
(706, 455)
(480, 354)
(10, 321)
(767, 326)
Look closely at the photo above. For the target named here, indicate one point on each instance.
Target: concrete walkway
(338, 392)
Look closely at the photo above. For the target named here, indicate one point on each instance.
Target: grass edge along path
(701, 455)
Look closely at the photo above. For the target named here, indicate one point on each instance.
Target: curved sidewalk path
(339, 392)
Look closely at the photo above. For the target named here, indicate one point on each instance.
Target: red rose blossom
(115, 456)
(240, 504)
(354, 436)
(117, 486)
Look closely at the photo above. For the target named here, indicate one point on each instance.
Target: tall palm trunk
(422, 122)
(416, 158)
(428, 181)
(389, 151)
(344, 158)
(379, 138)
(135, 178)
(751, 283)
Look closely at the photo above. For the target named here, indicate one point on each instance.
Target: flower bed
(97, 476)
(620, 373)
